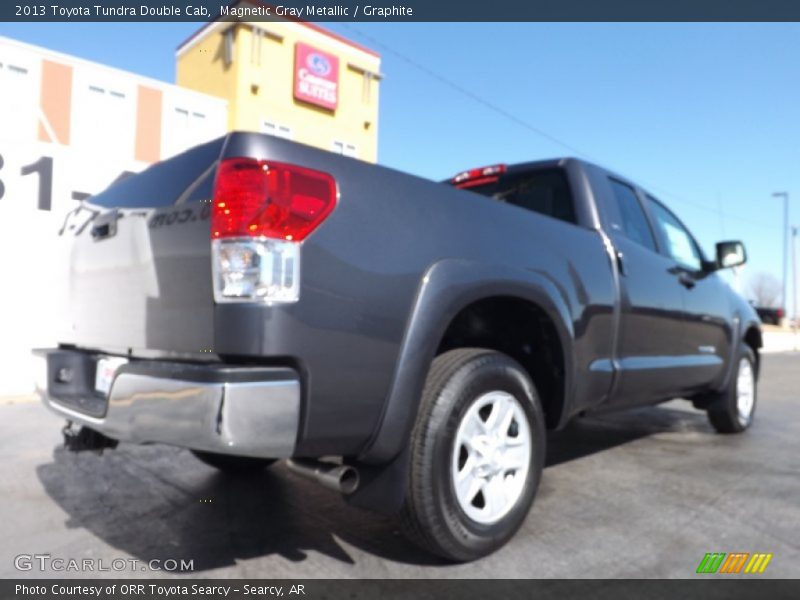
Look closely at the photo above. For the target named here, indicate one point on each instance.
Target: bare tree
(765, 290)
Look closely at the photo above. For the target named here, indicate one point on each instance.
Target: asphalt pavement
(642, 493)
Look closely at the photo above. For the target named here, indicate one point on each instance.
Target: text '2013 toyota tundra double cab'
(256, 299)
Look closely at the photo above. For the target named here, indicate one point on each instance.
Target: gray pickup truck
(405, 342)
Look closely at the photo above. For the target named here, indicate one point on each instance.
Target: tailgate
(140, 273)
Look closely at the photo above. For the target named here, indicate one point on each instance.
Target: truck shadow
(587, 436)
(160, 503)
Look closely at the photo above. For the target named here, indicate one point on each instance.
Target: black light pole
(785, 196)
(795, 232)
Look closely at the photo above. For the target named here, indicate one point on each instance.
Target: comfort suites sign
(316, 76)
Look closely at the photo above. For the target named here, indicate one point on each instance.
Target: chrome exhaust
(83, 439)
(339, 478)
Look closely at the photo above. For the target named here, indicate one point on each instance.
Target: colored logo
(316, 77)
(734, 563)
(318, 64)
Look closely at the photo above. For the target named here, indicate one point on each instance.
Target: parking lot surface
(643, 493)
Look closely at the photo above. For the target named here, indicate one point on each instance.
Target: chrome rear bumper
(246, 411)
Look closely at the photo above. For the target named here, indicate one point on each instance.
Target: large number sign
(316, 76)
(37, 177)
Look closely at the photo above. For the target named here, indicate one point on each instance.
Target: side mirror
(730, 254)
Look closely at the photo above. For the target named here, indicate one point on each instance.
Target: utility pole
(795, 316)
(785, 196)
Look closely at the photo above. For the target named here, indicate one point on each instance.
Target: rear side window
(544, 191)
(633, 221)
(162, 183)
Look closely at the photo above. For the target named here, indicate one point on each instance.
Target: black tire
(233, 464)
(432, 516)
(723, 407)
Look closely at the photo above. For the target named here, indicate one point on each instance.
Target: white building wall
(101, 146)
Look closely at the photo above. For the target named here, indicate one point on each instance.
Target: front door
(706, 325)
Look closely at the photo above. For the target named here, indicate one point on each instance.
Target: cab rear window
(544, 191)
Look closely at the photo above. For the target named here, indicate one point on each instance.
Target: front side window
(678, 241)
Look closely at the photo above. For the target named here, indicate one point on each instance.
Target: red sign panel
(316, 76)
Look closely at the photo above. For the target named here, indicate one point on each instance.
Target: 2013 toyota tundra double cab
(405, 342)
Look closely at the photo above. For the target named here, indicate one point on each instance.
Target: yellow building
(288, 78)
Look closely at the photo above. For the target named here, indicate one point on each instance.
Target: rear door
(140, 270)
(651, 333)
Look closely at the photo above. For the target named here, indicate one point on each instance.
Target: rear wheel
(477, 451)
(233, 464)
(732, 410)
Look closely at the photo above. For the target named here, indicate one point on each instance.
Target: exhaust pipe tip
(86, 439)
(348, 479)
(339, 478)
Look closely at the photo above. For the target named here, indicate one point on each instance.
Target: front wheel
(733, 409)
(477, 452)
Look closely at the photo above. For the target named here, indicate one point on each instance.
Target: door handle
(686, 280)
(105, 225)
(621, 263)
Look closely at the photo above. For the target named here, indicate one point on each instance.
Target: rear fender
(447, 287)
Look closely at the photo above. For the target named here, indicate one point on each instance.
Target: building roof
(206, 29)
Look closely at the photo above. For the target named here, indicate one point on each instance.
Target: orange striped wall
(56, 101)
(148, 124)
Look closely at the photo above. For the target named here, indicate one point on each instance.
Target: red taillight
(478, 176)
(779, 312)
(255, 198)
